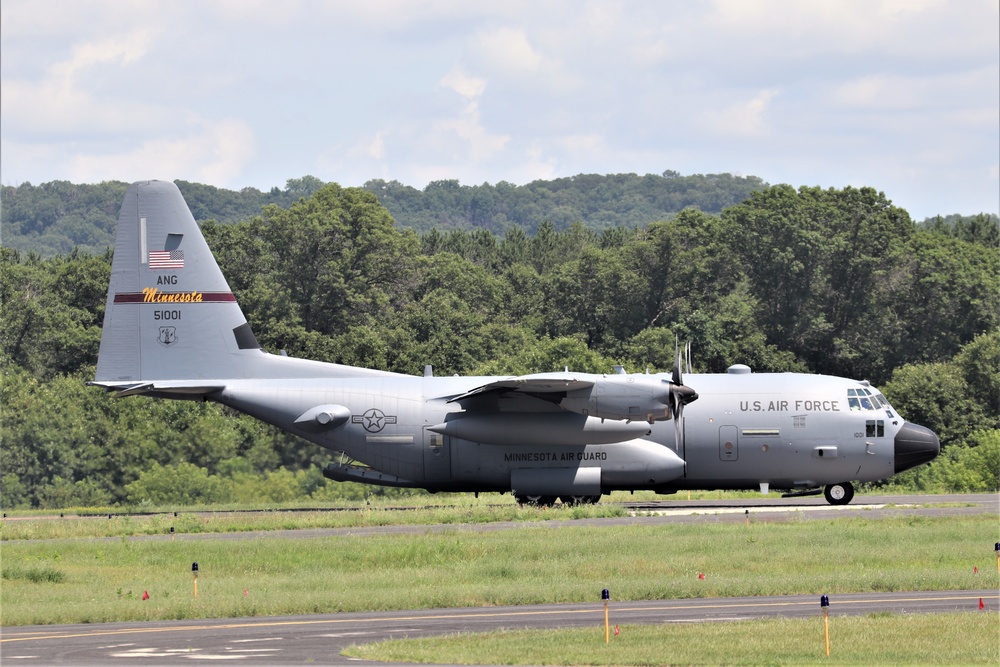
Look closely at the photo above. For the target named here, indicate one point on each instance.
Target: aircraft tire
(579, 500)
(839, 494)
(540, 501)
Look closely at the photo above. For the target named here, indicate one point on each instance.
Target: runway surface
(319, 639)
(765, 509)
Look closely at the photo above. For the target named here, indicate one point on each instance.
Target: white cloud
(509, 50)
(60, 101)
(918, 93)
(467, 86)
(120, 49)
(902, 95)
(376, 149)
(480, 144)
(212, 152)
(746, 119)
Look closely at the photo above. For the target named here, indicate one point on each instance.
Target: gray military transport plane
(173, 329)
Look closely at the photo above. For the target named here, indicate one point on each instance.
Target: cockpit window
(865, 399)
(885, 404)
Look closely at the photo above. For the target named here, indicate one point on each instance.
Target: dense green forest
(827, 281)
(53, 218)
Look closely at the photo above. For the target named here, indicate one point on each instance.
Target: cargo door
(437, 457)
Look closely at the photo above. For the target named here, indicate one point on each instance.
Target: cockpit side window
(885, 404)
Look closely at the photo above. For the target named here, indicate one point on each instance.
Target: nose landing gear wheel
(839, 494)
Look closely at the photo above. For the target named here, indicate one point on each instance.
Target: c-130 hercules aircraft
(173, 329)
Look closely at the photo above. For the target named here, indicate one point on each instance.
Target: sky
(899, 95)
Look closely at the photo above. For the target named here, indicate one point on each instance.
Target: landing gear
(579, 500)
(839, 494)
(549, 501)
(540, 501)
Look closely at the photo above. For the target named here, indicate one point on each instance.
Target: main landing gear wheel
(839, 494)
(540, 501)
(579, 500)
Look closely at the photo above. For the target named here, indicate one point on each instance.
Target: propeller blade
(679, 431)
(679, 395)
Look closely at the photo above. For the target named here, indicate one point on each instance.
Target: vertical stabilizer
(170, 313)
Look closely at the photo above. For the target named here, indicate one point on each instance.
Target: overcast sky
(899, 95)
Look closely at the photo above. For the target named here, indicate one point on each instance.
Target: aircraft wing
(538, 383)
(623, 397)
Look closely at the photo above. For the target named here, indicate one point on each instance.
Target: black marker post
(605, 595)
(824, 602)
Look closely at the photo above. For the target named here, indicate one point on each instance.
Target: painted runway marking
(664, 607)
(707, 511)
(253, 650)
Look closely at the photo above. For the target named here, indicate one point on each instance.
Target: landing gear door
(437, 456)
(729, 443)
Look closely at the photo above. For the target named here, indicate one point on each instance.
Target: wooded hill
(830, 281)
(55, 217)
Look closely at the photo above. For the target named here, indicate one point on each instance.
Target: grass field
(74, 580)
(378, 511)
(878, 639)
(45, 526)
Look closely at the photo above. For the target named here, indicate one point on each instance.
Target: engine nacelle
(550, 428)
(629, 397)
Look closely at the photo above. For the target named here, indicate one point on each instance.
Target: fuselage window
(874, 428)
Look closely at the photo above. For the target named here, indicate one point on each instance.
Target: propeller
(679, 395)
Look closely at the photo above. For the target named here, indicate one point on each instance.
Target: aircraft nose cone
(915, 445)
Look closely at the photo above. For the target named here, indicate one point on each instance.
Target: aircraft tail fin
(170, 313)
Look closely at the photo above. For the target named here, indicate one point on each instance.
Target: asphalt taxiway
(319, 639)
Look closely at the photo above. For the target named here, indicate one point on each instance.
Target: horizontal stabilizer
(167, 389)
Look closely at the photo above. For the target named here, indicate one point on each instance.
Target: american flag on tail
(166, 259)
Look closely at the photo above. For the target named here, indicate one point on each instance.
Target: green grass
(446, 509)
(878, 639)
(555, 562)
(34, 574)
(49, 527)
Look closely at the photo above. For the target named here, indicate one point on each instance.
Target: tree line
(835, 281)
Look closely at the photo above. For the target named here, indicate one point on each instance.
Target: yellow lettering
(154, 295)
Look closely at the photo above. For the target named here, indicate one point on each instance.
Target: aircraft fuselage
(785, 431)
